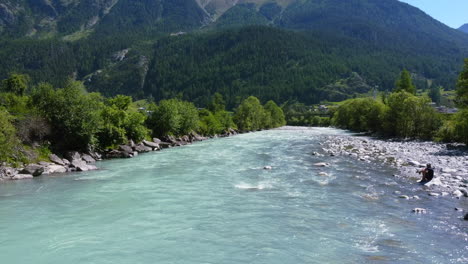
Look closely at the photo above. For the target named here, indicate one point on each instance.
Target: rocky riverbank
(77, 162)
(450, 161)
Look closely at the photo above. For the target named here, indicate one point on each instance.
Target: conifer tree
(405, 83)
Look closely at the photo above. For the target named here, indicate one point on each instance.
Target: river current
(212, 202)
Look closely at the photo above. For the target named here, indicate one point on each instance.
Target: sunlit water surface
(212, 202)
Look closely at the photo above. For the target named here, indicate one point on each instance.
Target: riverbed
(213, 202)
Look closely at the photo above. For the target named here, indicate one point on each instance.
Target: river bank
(450, 161)
(74, 161)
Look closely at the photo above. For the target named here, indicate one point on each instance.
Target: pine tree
(405, 83)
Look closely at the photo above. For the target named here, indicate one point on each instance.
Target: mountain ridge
(90, 32)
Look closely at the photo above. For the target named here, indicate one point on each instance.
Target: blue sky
(453, 13)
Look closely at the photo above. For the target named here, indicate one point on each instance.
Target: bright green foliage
(17, 105)
(8, 141)
(435, 95)
(405, 83)
(174, 117)
(250, 115)
(74, 114)
(209, 124)
(225, 119)
(276, 115)
(16, 83)
(120, 123)
(410, 116)
(217, 103)
(462, 86)
(362, 114)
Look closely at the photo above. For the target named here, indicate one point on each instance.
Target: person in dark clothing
(427, 174)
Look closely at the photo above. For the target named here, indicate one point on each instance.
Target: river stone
(448, 170)
(323, 173)
(322, 164)
(267, 168)
(33, 169)
(414, 163)
(73, 155)
(55, 159)
(156, 140)
(466, 217)
(80, 165)
(88, 159)
(141, 148)
(152, 145)
(419, 210)
(126, 148)
(434, 194)
(22, 177)
(404, 197)
(51, 169)
(7, 172)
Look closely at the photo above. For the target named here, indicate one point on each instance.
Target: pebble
(434, 194)
(267, 168)
(419, 210)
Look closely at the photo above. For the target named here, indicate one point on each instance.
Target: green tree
(250, 115)
(8, 141)
(174, 117)
(276, 114)
(462, 86)
(434, 94)
(361, 114)
(16, 83)
(405, 83)
(74, 114)
(217, 103)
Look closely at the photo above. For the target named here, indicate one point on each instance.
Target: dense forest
(403, 114)
(38, 119)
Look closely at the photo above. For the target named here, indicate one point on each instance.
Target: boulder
(66, 162)
(7, 172)
(466, 217)
(165, 144)
(33, 169)
(55, 159)
(152, 145)
(80, 165)
(95, 155)
(267, 168)
(88, 159)
(323, 173)
(22, 177)
(126, 148)
(156, 140)
(141, 148)
(51, 169)
(457, 193)
(131, 143)
(73, 155)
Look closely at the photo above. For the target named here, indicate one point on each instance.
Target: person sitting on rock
(427, 174)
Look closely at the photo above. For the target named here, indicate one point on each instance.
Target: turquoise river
(212, 202)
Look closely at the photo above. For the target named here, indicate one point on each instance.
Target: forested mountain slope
(192, 48)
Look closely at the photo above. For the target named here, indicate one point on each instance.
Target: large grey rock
(73, 155)
(156, 140)
(22, 177)
(79, 165)
(88, 159)
(141, 148)
(126, 148)
(466, 217)
(7, 172)
(152, 145)
(55, 159)
(33, 169)
(95, 155)
(55, 168)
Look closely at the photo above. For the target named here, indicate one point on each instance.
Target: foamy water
(212, 202)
